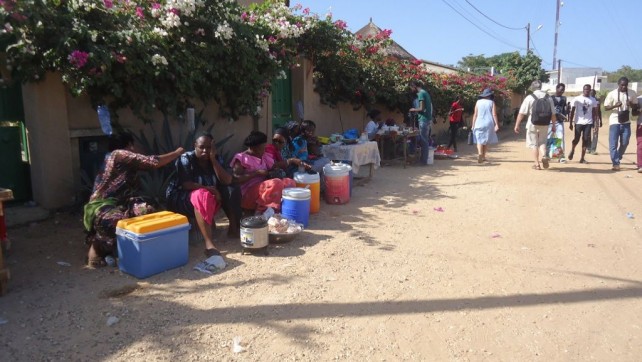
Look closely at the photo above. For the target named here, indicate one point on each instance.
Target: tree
(634, 75)
(519, 70)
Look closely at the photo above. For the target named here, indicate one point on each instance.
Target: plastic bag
(351, 134)
(105, 119)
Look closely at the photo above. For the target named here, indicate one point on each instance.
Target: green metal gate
(281, 101)
(14, 149)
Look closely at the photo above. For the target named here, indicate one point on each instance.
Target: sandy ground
(520, 265)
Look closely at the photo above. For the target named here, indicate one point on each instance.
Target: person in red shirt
(456, 120)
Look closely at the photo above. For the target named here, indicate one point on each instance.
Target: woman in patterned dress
(115, 196)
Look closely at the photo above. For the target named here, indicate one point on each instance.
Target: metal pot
(254, 232)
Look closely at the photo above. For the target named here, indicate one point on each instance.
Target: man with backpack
(539, 108)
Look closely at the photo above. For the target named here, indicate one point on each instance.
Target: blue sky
(594, 33)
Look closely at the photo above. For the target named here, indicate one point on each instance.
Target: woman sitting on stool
(251, 169)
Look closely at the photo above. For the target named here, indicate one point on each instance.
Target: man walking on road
(584, 115)
(597, 125)
(638, 136)
(536, 134)
(620, 101)
(561, 115)
(424, 116)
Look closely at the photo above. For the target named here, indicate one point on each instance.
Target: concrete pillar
(46, 118)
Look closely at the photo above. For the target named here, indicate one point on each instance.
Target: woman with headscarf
(281, 151)
(251, 168)
(116, 195)
(485, 124)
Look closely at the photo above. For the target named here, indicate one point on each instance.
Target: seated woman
(251, 168)
(115, 195)
(374, 124)
(306, 147)
(198, 190)
(281, 151)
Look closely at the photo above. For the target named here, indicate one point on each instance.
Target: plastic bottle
(363, 138)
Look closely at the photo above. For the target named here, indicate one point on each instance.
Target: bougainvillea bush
(163, 55)
(146, 55)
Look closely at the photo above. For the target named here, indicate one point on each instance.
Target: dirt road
(457, 261)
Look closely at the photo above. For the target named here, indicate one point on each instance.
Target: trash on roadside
(211, 265)
(112, 320)
(63, 263)
(438, 209)
(495, 235)
(630, 215)
(236, 345)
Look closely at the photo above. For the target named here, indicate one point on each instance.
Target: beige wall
(51, 158)
(56, 122)
(328, 120)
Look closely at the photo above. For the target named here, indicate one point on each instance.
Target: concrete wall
(46, 118)
(56, 122)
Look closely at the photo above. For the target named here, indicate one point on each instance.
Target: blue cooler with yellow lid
(153, 243)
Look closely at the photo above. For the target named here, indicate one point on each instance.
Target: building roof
(395, 50)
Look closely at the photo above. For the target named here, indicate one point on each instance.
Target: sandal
(536, 167)
(211, 252)
(545, 162)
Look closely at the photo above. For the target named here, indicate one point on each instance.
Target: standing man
(597, 125)
(584, 115)
(638, 136)
(456, 119)
(561, 114)
(620, 101)
(536, 134)
(423, 110)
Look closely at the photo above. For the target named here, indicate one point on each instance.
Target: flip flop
(211, 252)
(536, 167)
(584, 161)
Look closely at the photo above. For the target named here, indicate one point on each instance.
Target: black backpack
(541, 111)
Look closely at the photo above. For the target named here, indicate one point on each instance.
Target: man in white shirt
(536, 135)
(583, 114)
(638, 136)
(620, 101)
(374, 123)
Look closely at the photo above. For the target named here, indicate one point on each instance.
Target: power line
(486, 16)
(578, 64)
(477, 26)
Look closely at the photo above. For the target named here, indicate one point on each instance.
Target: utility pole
(559, 70)
(528, 38)
(557, 26)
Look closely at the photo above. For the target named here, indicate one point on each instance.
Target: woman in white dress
(485, 125)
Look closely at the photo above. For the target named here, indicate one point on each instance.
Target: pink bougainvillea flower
(341, 24)
(306, 11)
(119, 58)
(139, 12)
(78, 58)
(156, 6)
(108, 4)
(244, 16)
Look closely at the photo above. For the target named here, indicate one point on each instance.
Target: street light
(528, 36)
(557, 27)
